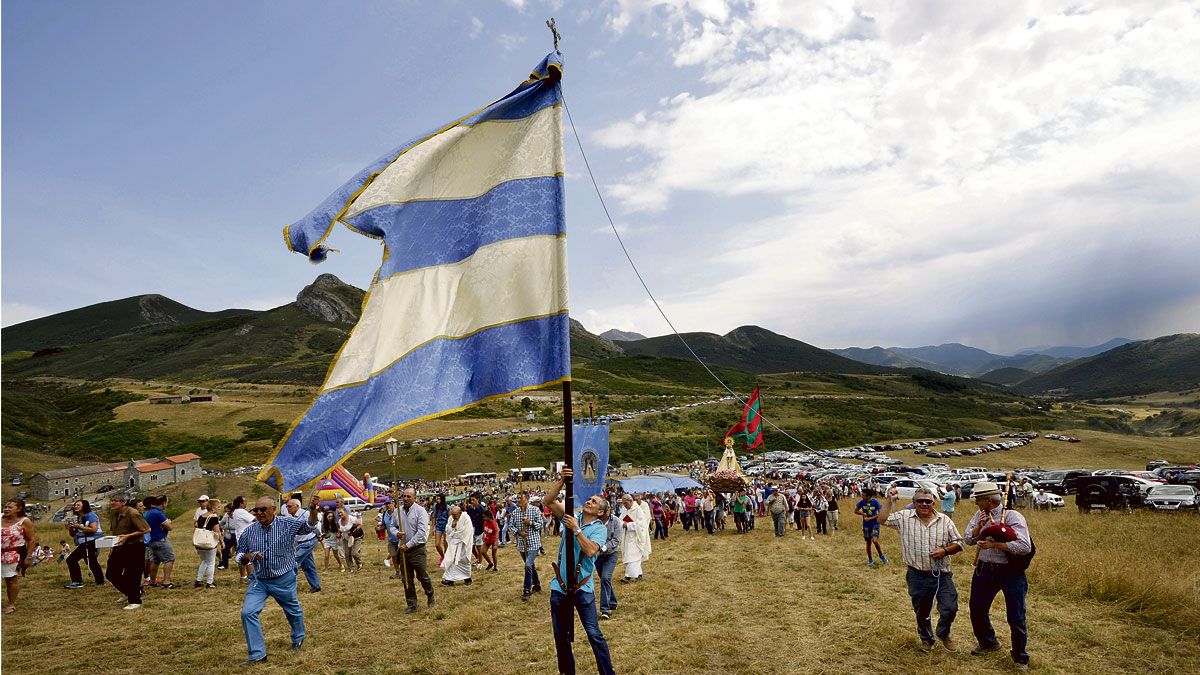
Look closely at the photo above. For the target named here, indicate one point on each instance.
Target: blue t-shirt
(869, 508)
(85, 520)
(155, 519)
(597, 533)
(948, 501)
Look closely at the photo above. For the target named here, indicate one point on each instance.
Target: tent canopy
(658, 482)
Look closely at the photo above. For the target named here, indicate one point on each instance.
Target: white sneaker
(133, 606)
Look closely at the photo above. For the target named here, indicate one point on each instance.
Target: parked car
(1061, 482)
(1173, 498)
(906, 487)
(1107, 493)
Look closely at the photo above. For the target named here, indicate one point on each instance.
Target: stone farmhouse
(143, 475)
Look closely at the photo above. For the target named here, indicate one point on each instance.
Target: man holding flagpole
(587, 533)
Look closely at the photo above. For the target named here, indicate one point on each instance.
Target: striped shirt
(277, 543)
(918, 540)
(529, 534)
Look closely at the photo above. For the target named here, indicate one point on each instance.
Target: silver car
(1173, 498)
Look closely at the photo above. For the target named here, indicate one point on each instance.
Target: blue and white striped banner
(470, 302)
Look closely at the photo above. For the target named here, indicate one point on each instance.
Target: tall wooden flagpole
(568, 462)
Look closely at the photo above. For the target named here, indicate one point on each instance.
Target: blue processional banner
(470, 301)
(589, 439)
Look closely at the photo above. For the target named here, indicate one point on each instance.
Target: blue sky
(846, 174)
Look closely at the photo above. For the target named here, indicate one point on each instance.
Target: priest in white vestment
(460, 537)
(635, 538)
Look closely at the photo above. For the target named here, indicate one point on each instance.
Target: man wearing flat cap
(1001, 569)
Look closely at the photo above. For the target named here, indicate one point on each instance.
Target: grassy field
(1116, 593)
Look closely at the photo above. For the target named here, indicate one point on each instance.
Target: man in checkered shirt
(927, 539)
(526, 521)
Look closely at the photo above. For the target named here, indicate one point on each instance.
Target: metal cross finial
(554, 31)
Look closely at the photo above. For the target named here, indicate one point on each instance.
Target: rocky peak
(156, 309)
(330, 299)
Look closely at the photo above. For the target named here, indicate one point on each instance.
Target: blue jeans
(304, 558)
(987, 582)
(283, 589)
(925, 589)
(230, 542)
(531, 575)
(607, 564)
(563, 622)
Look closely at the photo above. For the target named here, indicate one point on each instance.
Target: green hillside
(1032, 363)
(104, 320)
(1170, 363)
(750, 349)
(1006, 376)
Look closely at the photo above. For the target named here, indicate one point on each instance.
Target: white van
(355, 504)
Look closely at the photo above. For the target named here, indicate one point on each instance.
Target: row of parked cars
(1162, 488)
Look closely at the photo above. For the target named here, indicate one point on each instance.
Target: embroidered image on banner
(590, 451)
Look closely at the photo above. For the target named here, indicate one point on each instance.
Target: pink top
(12, 538)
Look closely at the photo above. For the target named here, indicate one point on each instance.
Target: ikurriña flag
(470, 301)
(749, 429)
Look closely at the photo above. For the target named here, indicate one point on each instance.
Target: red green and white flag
(749, 430)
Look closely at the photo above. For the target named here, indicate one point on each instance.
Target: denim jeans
(987, 582)
(230, 543)
(925, 589)
(531, 575)
(283, 589)
(606, 564)
(562, 620)
(304, 558)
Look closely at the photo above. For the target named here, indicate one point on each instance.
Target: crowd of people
(271, 544)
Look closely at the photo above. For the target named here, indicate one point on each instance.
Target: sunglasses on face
(260, 509)
(922, 501)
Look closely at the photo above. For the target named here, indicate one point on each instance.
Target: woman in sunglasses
(927, 540)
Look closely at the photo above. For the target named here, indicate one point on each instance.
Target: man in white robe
(460, 538)
(635, 538)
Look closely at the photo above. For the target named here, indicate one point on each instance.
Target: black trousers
(85, 551)
(414, 561)
(125, 565)
(822, 526)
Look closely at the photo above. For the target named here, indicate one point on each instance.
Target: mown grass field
(1112, 594)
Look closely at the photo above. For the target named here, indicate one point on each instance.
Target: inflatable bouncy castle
(341, 483)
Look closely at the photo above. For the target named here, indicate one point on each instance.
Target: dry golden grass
(1110, 593)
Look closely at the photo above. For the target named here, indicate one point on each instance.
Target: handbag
(205, 540)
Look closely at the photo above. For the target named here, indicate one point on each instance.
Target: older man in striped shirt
(270, 544)
(927, 539)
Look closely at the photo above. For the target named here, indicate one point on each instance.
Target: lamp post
(392, 445)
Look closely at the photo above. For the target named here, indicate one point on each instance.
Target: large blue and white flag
(470, 302)
(589, 441)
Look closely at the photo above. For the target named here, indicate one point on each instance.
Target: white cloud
(15, 312)
(476, 27)
(933, 158)
(510, 41)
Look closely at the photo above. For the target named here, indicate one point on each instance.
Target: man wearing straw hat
(1002, 535)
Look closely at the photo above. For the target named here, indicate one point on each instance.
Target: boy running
(868, 507)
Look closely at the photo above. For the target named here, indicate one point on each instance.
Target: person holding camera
(84, 528)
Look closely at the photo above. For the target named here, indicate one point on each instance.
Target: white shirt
(241, 520)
